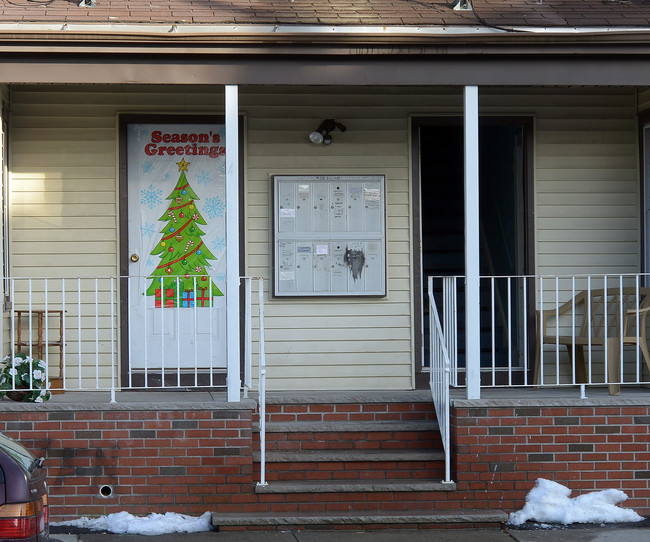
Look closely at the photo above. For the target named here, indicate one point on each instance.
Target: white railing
(439, 378)
(538, 330)
(78, 327)
(262, 394)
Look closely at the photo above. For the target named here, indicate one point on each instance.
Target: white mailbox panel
(329, 235)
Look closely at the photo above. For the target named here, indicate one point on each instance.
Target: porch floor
(568, 395)
(141, 400)
(560, 396)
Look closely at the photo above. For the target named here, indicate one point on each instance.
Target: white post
(472, 247)
(233, 380)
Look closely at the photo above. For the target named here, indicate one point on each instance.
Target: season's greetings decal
(185, 144)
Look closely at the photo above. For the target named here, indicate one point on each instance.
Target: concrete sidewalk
(574, 534)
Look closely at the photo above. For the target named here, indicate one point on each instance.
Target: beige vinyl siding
(643, 100)
(587, 183)
(64, 199)
(63, 216)
(64, 205)
(333, 343)
(587, 197)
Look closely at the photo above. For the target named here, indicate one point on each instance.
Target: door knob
(134, 258)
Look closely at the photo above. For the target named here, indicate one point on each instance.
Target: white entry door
(176, 247)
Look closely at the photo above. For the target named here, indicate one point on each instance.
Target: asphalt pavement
(529, 534)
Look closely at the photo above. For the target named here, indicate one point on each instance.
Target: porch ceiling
(482, 70)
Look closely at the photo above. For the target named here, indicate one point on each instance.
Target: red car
(23, 494)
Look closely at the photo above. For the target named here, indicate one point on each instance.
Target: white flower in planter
(23, 379)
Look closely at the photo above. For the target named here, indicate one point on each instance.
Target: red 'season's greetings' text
(192, 144)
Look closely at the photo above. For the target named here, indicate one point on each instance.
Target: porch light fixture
(322, 134)
(87, 4)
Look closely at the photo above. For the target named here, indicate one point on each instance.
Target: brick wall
(156, 458)
(197, 457)
(500, 450)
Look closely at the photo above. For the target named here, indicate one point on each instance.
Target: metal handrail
(439, 375)
(262, 387)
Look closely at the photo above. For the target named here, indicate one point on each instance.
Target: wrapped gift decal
(169, 298)
(188, 299)
(203, 300)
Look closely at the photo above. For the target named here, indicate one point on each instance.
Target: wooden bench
(597, 323)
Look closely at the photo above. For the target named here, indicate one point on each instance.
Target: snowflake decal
(147, 229)
(221, 277)
(151, 196)
(203, 177)
(147, 166)
(221, 170)
(215, 207)
(219, 243)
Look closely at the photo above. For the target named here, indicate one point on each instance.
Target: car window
(18, 452)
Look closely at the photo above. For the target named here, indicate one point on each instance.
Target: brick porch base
(359, 461)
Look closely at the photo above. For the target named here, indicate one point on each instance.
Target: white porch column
(472, 247)
(233, 379)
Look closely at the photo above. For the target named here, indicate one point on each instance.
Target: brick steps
(351, 456)
(300, 427)
(356, 520)
(326, 486)
(308, 436)
(354, 462)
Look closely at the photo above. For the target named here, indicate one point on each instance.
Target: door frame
(527, 122)
(155, 379)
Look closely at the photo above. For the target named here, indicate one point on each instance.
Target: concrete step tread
(356, 518)
(348, 427)
(351, 455)
(369, 486)
(345, 397)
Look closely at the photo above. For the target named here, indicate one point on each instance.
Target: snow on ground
(153, 524)
(550, 502)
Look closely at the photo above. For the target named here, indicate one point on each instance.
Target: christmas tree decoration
(184, 259)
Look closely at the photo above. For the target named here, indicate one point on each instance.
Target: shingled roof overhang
(258, 54)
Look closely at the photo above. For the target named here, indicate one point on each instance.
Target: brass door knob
(134, 258)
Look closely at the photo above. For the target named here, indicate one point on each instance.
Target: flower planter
(17, 395)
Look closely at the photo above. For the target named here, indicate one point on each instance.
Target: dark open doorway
(505, 222)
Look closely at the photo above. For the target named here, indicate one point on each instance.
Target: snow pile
(550, 502)
(153, 524)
